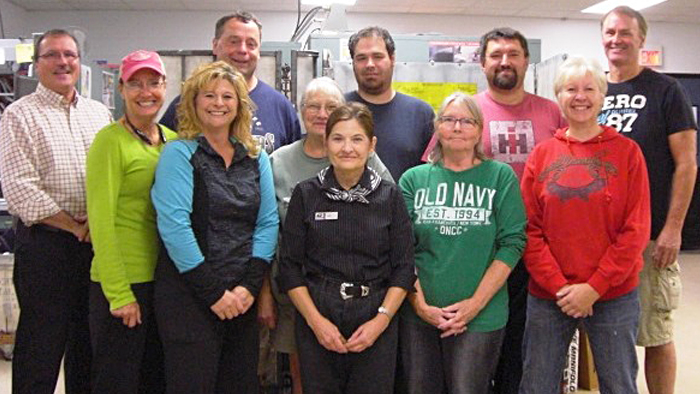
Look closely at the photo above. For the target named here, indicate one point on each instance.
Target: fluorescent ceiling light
(327, 3)
(604, 6)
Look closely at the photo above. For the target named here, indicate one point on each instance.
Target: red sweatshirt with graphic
(588, 214)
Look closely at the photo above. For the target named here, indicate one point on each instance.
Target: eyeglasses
(56, 56)
(451, 121)
(315, 108)
(138, 85)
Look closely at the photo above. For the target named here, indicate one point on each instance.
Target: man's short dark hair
(501, 33)
(632, 13)
(372, 31)
(241, 16)
(53, 33)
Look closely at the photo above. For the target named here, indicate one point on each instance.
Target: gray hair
(459, 98)
(323, 85)
(578, 67)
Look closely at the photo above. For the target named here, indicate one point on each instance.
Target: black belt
(51, 229)
(43, 227)
(348, 290)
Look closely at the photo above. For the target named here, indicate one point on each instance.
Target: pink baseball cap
(139, 60)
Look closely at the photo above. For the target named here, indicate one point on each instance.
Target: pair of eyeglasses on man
(315, 108)
(55, 55)
(451, 121)
(138, 85)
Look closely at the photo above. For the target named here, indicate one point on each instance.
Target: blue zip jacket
(218, 225)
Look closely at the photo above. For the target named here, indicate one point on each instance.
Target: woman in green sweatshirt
(469, 224)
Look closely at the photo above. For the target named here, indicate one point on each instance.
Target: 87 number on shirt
(622, 122)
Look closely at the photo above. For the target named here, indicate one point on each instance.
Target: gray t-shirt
(291, 165)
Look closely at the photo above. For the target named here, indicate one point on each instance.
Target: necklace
(143, 135)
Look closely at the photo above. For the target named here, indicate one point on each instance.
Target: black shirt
(346, 241)
(648, 108)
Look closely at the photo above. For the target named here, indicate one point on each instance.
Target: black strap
(142, 135)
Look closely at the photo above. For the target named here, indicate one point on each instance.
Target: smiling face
(239, 46)
(580, 100)
(622, 40)
(216, 106)
(58, 65)
(349, 146)
(505, 64)
(143, 94)
(455, 137)
(372, 65)
(316, 110)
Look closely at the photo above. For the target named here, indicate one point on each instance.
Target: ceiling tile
(672, 11)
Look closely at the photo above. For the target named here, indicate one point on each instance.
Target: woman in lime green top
(127, 356)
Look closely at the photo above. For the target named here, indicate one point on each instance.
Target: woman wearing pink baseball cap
(127, 354)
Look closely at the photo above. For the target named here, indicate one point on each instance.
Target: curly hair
(189, 125)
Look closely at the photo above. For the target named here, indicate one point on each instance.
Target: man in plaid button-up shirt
(44, 138)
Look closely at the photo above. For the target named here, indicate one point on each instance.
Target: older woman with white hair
(292, 164)
(587, 198)
(469, 224)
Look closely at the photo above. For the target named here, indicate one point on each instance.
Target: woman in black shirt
(347, 263)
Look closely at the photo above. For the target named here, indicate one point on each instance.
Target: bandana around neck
(368, 183)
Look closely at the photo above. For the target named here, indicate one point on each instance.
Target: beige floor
(687, 338)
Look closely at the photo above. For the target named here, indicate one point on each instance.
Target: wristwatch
(385, 311)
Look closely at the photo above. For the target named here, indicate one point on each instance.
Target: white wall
(113, 34)
(14, 20)
(681, 42)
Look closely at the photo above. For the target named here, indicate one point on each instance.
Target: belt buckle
(344, 286)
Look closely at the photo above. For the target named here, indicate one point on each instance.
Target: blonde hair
(189, 125)
(577, 67)
(469, 103)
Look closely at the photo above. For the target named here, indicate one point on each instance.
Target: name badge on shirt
(326, 216)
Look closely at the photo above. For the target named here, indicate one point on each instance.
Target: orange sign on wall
(651, 57)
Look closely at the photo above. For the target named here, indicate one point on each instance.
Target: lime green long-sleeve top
(120, 172)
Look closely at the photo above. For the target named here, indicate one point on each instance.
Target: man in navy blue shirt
(237, 42)
(403, 124)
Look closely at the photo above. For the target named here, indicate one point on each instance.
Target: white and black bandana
(368, 183)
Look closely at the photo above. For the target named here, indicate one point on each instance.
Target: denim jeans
(462, 364)
(612, 330)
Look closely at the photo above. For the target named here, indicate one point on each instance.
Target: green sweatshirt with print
(463, 221)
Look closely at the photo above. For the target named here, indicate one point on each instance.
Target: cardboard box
(587, 375)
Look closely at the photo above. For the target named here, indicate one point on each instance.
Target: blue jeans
(612, 330)
(462, 364)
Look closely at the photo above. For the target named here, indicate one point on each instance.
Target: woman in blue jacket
(217, 218)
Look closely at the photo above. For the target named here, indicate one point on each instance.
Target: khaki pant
(659, 293)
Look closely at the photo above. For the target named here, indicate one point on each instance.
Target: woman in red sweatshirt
(586, 194)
